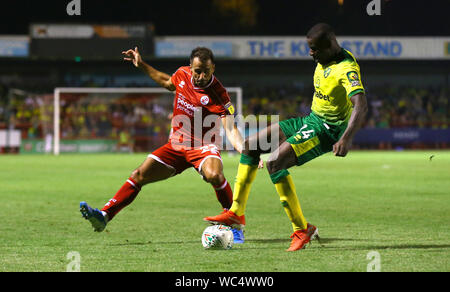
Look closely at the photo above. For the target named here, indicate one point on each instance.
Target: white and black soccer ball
(217, 237)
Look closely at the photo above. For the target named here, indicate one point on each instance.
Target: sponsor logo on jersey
(326, 73)
(353, 78)
(320, 95)
(186, 107)
(182, 83)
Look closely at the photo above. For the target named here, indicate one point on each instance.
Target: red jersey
(197, 111)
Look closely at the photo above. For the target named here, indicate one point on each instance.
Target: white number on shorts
(305, 134)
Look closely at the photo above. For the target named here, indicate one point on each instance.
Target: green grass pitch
(394, 203)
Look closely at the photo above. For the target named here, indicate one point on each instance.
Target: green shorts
(310, 136)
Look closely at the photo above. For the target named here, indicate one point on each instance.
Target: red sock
(126, 194)
(224, 194)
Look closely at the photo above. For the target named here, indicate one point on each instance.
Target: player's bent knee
(215, 178)
(137, 176)
(273, 166)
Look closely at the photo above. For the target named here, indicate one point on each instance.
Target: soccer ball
(217, 236)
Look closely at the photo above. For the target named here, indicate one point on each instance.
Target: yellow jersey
(334, 84)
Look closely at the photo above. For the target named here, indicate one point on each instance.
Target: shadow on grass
(283, 240)
(131, 243)
(391, 246)
(323, 243)
(268, 240)
(152, 242)
(272, 240)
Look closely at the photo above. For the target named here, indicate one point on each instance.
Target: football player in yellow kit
(338, 110)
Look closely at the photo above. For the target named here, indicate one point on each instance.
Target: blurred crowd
(95, 116)
(130, 117)
(400, 107)
(389, 106)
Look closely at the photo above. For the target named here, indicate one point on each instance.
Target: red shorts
(181, 159)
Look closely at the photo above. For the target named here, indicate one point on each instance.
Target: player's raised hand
(133, 56)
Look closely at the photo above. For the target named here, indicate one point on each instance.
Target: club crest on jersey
(181, 84)
(326, 73)
(353, 78)
(204, 99)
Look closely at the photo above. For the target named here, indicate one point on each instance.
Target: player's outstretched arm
(159, 77)
(235, 137)
(355, 122)
(233, 133)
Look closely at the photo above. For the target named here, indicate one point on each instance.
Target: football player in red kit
(200, 103)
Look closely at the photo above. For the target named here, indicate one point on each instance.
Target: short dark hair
(203, 53)
(323, 32)
(320, 30)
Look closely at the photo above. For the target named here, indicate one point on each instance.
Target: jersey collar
(338, 58)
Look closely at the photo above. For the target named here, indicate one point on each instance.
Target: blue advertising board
(402, 136)
(14, 47)
(183, 49)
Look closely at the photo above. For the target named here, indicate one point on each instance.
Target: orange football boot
(301, 237)
(228, 218)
